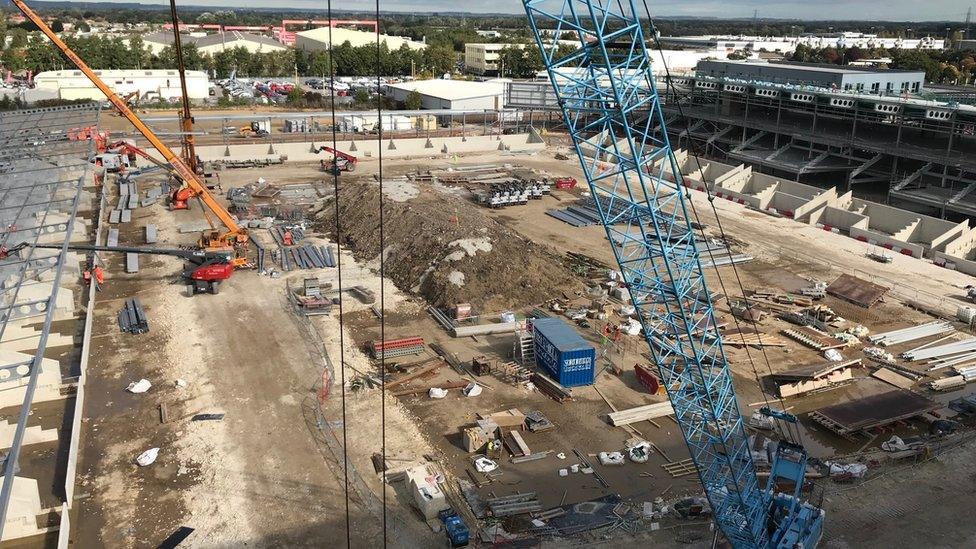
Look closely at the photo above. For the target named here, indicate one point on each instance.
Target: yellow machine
(232, 236)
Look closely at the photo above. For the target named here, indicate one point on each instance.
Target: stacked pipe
(954, 348)
(910, 334)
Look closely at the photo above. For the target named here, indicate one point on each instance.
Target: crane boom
(234, 235)
(607, 95)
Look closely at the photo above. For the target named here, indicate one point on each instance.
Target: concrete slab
(151, 235)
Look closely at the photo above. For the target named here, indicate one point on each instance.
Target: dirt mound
(448, 250)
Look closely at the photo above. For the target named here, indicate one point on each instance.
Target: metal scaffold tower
(605, 88)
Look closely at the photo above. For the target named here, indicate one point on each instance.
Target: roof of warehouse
(454, 90)
(357, 38)
(167, 38)
(811, 67)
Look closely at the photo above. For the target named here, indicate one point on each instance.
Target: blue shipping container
(563, 353)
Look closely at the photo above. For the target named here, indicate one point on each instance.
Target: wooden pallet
(681, 468)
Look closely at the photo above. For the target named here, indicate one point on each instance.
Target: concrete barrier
(366, 149)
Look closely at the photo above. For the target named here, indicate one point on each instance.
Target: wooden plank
(519, 442)
(641, 413)
(892, 377)
(418, 390)
(414, 375)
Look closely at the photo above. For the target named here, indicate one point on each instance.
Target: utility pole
(186, 119)
(755, 22)
(969, 20)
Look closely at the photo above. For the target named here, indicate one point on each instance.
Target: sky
(896, 10)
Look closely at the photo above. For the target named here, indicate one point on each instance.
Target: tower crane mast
(606, 91)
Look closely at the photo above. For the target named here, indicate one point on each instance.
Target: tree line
(344, 60)
(941, 66)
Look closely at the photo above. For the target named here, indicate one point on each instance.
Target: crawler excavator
(231, 238)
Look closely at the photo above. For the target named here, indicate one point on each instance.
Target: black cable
(342, 347)
(379, 148)
(718, 220)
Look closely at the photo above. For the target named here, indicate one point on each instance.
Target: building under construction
(912, 150)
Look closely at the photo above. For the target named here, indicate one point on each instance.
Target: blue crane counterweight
(611, 108)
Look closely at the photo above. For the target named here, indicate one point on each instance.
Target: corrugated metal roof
(454, 90)
(560, 334)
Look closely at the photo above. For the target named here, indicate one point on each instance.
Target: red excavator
(340, 162)
(203, 271)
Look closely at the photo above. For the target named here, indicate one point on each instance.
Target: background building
(452, 94)
(318, 39)
(861, 79)
(788, 44)
(211, 44)
(484, 58)
(148, 84)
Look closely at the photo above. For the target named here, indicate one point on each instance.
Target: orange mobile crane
(232, 237)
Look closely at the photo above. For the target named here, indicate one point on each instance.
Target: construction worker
(286, 238)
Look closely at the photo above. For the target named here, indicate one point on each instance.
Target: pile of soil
(447, 250)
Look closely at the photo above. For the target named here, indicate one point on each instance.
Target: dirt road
(256, 478)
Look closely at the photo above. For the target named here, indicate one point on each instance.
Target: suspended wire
(793, 430)
(379, 148)
(342, 347)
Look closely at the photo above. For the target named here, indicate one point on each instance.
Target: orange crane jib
(234, 236)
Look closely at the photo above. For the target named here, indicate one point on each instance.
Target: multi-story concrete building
(849, 78)
(484, 59)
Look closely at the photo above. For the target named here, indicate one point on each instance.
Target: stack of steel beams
(132, 318)
(397, 347)
(911, 334)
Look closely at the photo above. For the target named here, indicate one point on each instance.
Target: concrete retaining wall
(947, 243)
(366, 149)
(959, 254)
(905, 232)
(830, 218)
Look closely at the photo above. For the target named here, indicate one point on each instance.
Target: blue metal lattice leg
(610, 104)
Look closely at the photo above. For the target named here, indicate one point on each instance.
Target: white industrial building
(210, 44)
(453, 94)
(677, 62)
(788, 44)
(148, 84)
(318, 39)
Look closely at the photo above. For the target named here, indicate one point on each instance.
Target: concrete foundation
(25, 506)
(34, 434)
(48, 382)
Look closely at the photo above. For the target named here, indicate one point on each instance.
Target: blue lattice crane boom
(611, 108)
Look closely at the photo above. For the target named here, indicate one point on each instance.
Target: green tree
(320, 65)
(295, 96)
(413, 101)
(13, 60)
(361, 96)
(18, 38)
(57, 26)
(439, 60)
(520, 62)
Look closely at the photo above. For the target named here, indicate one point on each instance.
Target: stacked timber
(641, 413)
